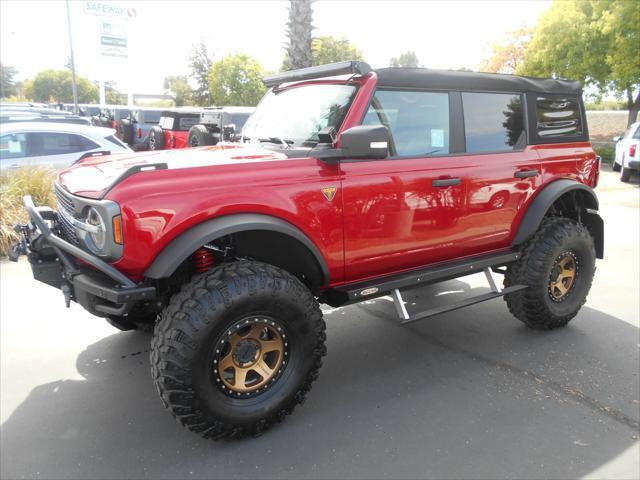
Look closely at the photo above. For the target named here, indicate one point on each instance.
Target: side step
(496, 292)
(357, 292)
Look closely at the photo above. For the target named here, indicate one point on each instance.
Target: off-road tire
(156, 138)
(125, 131)
(199, 136)
(198, 317)
(534, 306)
(625, 174)
(615, 167)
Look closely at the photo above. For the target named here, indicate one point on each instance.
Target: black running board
(461, 304)
(358, 292)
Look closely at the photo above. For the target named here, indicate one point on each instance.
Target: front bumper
(97, 286)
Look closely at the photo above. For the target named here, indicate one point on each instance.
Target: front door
(405, 211)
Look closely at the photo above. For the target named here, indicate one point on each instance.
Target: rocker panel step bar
(454, 306)
(358, 292)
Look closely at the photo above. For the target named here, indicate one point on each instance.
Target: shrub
(34, 181)
(606, 152)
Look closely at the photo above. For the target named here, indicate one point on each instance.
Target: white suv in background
(57, 145)
(627, 152)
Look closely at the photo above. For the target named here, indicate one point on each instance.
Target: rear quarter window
(556, 118)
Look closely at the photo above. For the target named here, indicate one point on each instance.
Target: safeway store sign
(104, 9)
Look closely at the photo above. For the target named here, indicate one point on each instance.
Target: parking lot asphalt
(468, 394)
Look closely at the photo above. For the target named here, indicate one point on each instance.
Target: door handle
(446, 182)
(526, 174)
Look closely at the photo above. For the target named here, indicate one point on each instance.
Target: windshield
(298, 114)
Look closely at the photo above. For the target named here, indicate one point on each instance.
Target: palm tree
(299, 53)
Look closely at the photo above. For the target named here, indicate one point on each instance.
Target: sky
(444, 34)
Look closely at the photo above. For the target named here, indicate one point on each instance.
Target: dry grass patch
(34, 181)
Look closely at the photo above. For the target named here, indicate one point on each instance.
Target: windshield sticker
(437, 137)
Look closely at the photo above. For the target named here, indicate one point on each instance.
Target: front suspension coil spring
(203, 259)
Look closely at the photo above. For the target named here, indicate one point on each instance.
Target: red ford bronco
(350, 183)
(173, 128)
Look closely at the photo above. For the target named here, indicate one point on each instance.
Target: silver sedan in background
(56, 145)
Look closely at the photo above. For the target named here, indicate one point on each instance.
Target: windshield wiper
(282, 141)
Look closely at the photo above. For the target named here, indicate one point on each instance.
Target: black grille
(65, 204)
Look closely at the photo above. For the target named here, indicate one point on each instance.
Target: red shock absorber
(203, 259)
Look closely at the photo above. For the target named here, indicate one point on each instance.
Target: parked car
(218, 124)
(88, 110)
(109, 116)
(627, 158)
(134, 130)
(10, 114)
(56, 145)
(351, 184)
(173, 128)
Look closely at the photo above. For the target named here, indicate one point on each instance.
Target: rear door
(503, 171)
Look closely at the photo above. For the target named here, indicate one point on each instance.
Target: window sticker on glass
(15, 146)
(437, 137)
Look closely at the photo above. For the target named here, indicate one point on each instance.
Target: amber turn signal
(117, 229)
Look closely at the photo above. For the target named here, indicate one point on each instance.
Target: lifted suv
(352, 183)
(173, 129)
(218, 124)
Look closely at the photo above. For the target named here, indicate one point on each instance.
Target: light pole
(74, 87)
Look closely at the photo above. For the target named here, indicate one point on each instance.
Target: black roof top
(472, 81)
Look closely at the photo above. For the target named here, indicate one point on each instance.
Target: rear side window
(185, 123)
(54, 143)
(149, 117)
(13, 145)
(558, 117)
(166, 123)
(418, 121)
(493, 122)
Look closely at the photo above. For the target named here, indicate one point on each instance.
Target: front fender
(189, 241)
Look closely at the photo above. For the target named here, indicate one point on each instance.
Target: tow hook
(66, 291)
(20, 247)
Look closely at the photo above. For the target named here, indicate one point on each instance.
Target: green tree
(299, 48)
(621, 23)
(408, 59)
(178, 86)
(508, 53)
(200, 66)
(8, 86)
(55, 86)
(330, 49)
(594, 41)
(113, 96)
(236, 80)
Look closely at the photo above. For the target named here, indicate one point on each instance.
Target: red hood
(91, 177)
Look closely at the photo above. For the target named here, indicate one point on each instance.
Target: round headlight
(98, 235)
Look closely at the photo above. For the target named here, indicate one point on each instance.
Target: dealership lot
(471, 393)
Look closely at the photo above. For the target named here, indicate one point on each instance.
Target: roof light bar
(328, 70)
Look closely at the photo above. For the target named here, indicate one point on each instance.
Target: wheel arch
(570, 198)
(263, 237)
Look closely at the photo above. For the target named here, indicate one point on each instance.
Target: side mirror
(617, 139)
(366, 141)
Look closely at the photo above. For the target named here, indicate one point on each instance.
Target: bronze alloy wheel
(250, 356)
(563, 276)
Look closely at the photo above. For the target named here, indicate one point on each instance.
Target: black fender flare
(190, 240)
(541, 204)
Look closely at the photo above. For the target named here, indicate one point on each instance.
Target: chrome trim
(87, 227)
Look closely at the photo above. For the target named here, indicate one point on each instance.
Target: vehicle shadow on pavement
(472, 393)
